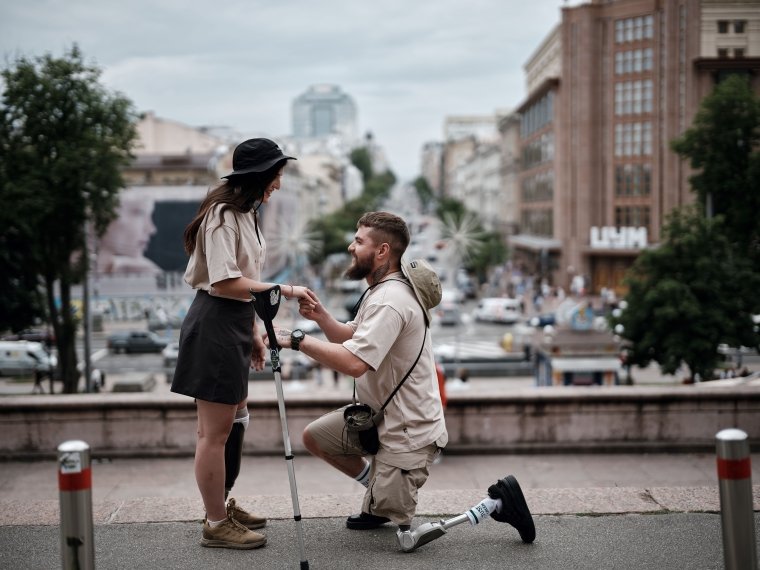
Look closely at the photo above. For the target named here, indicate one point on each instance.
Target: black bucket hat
(256, 155)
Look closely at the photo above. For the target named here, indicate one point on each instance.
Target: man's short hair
(387, 228)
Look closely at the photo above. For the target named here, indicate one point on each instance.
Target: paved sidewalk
(591, 511)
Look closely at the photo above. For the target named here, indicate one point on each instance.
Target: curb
(550, 502)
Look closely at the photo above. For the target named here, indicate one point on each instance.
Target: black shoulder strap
(408, 373)
(356, 307)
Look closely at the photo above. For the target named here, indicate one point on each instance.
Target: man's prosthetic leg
(505, 503)
(233, 450)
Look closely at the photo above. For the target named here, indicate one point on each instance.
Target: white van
(497, 310)
(19, 357)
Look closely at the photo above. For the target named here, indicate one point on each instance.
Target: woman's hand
(311, 309)
(258, 354)
(304, 295)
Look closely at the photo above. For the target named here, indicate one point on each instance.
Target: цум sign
(610, 237)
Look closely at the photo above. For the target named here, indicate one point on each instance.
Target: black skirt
(215, 345)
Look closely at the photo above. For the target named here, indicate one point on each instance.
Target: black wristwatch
(295, 338)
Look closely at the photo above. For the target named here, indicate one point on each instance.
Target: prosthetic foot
(505, 503)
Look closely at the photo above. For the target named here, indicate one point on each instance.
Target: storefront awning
(602, 364)
(535, 243)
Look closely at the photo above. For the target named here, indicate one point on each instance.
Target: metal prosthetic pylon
(505, 503)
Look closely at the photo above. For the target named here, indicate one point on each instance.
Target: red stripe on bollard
(75, 481)
(734, 468)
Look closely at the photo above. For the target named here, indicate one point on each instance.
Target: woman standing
(219, 339)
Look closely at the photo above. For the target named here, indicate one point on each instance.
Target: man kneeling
(388, 350)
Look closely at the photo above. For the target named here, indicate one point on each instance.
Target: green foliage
(335, 228)
(424, 191)
(64, 142)
(21, 296)
(723, 147)
(361, 159)
(451, 207)
(688, 296)
(377, 188)
(462, 230)
(492, 252)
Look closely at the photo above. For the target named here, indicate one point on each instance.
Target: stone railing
(609, 419)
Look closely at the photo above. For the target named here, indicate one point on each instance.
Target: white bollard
(736, 509)
(75, 493)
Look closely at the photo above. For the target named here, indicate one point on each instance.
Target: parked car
(542, 320)
(307, 325)
(161, 323)
(35, 335)
(449, 314)
(350, 285)
(20, 357)
(136, 341)
(497, 310)
(451, 296)
(170, 353)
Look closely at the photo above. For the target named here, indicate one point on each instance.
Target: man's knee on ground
(310, 443)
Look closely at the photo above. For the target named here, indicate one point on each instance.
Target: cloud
(240, 63)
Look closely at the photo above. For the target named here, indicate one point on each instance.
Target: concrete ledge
(609, 419)
(134, 383)
(579, 501)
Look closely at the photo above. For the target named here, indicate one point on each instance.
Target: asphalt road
(674, 541)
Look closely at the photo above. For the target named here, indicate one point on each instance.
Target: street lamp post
(86, 313)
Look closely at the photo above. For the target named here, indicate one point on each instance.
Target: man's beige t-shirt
(388, 333)
(224, 251)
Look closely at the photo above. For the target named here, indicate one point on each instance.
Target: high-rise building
(609, 89)
(324, 110)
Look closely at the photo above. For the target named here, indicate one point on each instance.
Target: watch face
(298, 334)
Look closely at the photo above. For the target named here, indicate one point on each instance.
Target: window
(634, 29)
(632, 216)
(633, 180)
(722, 26)
(633, 139)
(633, 61)
(538, 151)
(740, 26)
(538, 188)
(722, 53)
(537, 116)
(537, 222)
(633, 97)
(739, 53)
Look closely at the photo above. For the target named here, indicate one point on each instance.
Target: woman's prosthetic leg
(505, 503)
(233, 449)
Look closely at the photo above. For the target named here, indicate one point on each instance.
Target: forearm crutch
(266, 303)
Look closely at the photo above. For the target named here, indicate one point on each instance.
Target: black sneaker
(514, 508)
(365, 521)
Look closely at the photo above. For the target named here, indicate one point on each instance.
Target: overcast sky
(240, 63)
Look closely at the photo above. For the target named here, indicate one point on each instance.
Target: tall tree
(64, 140)
(723, 147)
(692, 293)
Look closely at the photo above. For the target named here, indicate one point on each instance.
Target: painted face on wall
(129, 234)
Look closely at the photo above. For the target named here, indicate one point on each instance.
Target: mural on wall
(146, 239)
(121, 249)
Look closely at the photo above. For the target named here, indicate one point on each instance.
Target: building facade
(610, 88)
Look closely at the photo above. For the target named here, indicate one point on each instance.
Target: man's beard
(359, 269)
